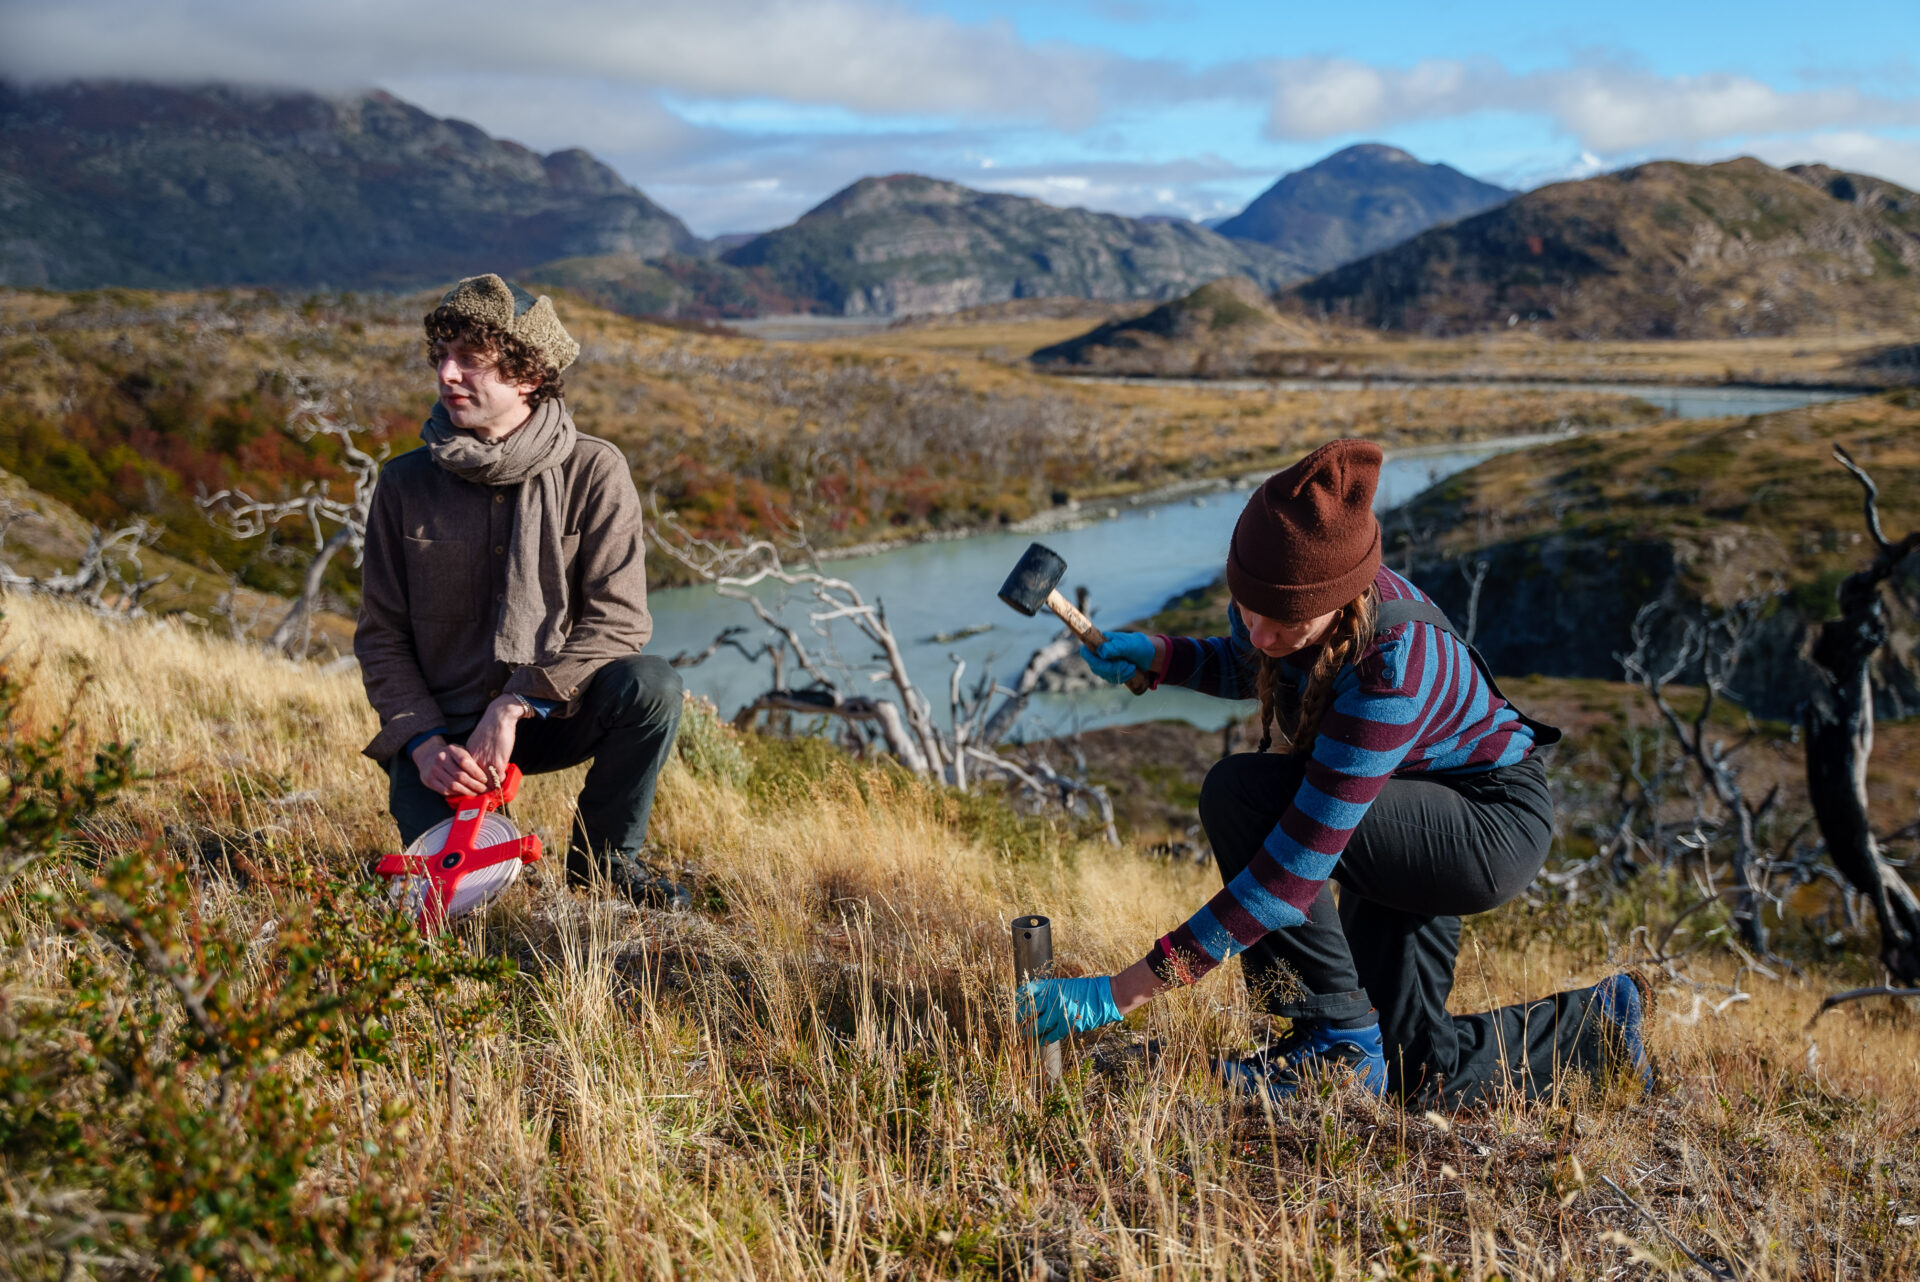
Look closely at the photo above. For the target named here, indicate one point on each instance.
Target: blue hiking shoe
(1310, 1050)
(1622, 1002)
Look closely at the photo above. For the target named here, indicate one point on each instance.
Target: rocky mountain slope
(1223, 328)
(146, 186)
(1662, 250)
(1356, 202)
(905, 244)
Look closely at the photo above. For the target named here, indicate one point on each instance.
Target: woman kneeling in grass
(1408, 779)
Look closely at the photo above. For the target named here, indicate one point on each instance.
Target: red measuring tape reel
(463, 862)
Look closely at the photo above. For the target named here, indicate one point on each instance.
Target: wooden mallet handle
(1093, 638)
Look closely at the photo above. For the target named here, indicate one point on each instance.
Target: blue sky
(741, 114)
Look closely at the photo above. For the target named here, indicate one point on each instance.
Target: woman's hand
(1123, 654)
(1049, 1009)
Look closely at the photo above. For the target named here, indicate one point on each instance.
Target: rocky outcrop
(156, 187)
(905, 244)
(1357, 202)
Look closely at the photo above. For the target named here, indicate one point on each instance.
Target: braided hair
(1352, 633)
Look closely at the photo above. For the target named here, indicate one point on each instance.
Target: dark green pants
(1429, 850)
(625, 725)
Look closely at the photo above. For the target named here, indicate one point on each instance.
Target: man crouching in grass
(505, 597)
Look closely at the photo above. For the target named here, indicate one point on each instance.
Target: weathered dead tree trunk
(1716, 645)
(314, 413)
(1838, 723)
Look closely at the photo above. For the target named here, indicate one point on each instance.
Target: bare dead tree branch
(100, 581)
(958, 755)
(1855, 994)
(1476, 579)
(317, 411)
(1044, 782)
(1716, 645)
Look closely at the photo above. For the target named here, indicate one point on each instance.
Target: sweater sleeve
(383, 637)
(1365, 735)
(612, 619)
(1221, 666)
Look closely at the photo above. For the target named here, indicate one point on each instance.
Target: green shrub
(164, 1109)
(709, 747)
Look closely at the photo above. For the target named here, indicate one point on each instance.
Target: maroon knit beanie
(1308, 541)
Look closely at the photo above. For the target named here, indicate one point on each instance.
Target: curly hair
(1351, 635)
(513, 359)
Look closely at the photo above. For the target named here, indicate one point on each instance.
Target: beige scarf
(531, 625)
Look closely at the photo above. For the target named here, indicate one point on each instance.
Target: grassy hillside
(1662, 250)
(119, 402)
(810, 1075)
(1225, 327)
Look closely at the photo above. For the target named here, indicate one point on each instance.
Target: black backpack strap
(1391, 614)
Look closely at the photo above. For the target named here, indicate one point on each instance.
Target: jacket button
(499, 498)
(499, 596)
(493, 694)
(499, 551)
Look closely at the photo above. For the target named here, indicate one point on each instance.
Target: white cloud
(871, 56)
(1608, 108)
(676, 95)
(1895, 159)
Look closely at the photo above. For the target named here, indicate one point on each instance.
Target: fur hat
(530, 321)
(1307, 542)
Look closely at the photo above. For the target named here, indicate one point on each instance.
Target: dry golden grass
(1807, 359)
(810, 1076)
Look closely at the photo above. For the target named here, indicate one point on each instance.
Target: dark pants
(1428, 851)
(625, 724)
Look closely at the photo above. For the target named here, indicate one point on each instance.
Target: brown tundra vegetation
(222, 1058)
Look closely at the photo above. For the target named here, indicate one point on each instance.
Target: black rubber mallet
(1035, 584)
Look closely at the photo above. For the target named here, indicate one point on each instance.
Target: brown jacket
(434, 577)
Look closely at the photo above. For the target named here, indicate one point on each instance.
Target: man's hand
(449, 769)
(491, 742)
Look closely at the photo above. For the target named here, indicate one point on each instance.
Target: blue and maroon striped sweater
(1414, 704)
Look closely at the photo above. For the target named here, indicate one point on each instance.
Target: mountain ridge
(147, 186)
(1357, 201)
(904, 244)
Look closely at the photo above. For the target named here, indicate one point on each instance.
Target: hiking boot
(1622, 1002)
(1309, 1051)
(630, 876)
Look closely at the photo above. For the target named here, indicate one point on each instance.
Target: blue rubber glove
(1049, 1009)
(1124, 654)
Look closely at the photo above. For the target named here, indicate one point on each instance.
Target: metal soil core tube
(1033, 959)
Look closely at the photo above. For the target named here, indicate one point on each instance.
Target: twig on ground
(1712, 1269)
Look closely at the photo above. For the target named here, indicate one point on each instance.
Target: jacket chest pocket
(446, 579)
